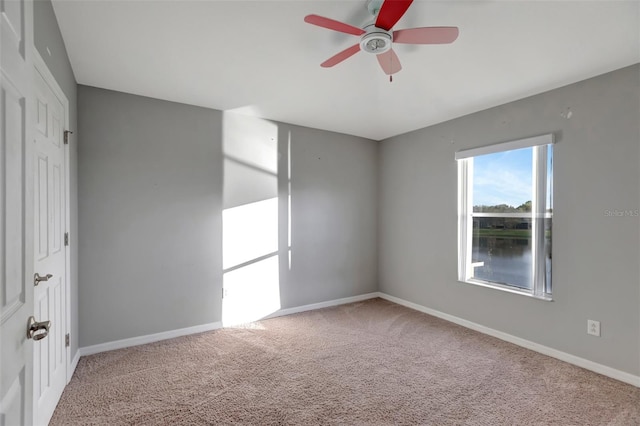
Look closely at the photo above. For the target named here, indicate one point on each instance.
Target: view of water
(507, 260)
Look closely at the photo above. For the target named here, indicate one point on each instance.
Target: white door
(16, 191)
(50, 354)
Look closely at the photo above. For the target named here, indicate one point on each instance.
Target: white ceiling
(260, 58)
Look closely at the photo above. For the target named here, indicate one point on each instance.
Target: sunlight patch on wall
(251, 282)
(249, 232)
(251, 292)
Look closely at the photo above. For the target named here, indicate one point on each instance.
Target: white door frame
(40, 67)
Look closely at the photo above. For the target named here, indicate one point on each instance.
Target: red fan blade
(345, 54)
(391, 12)
(389, 62)
(426, 35)
(333, 25)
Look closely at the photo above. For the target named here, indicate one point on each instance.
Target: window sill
(546, 298)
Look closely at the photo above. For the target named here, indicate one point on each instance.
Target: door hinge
(66, 340)
(66, 136)
(66, 238)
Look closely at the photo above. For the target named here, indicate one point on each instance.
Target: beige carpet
(368, 363)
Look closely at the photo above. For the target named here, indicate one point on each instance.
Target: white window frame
(537, 215)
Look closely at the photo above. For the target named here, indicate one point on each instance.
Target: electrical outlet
(593, 328)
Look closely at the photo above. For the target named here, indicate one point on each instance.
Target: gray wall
(150, 180)
(150, 202)
(47, 36)
(333, 217)
(595, 264)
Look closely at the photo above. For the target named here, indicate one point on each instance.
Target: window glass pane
(497, 240)
(502, 182)
(547, 253)
(504, 245)
(549, 206)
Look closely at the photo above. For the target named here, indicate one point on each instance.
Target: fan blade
(345, 54)
(391, 12)
(426, 35)
(389, 62)
(333, 24)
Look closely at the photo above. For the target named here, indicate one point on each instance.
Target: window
(505, 212)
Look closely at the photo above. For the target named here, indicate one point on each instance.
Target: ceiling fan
(377, 37)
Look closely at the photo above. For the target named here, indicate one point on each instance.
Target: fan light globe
(375, 42)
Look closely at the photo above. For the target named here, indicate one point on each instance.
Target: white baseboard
(554, 353)
(313, 306)
(73, 365)
(141, 340)
(149, 338)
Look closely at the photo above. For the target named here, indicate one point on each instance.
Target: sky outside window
(503, 178)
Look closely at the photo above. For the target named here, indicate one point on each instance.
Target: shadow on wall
(256, 218)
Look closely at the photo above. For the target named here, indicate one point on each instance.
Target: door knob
(37, 330)
(37, 278)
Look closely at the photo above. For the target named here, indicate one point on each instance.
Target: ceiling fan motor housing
(375, 40)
